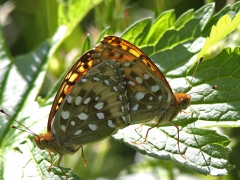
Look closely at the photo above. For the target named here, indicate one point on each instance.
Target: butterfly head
(43, 140)
(183, 100)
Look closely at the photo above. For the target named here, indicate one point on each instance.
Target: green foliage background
(36, 30)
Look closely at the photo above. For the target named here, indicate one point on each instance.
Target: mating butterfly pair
(110, 87)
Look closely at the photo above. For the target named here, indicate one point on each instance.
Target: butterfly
(110, 87)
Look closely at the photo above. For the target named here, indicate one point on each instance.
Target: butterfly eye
(185, 101)
(39, 142)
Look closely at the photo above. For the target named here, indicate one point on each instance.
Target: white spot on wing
(87, 100)
(78, 132)
(139, 80)
(110, 124)
(135, 107)
(106, 82)
(93, 127)
(122, 108)
(131, 83)
(100, 115)
(84, 80)
(69, 99)
(149, 107)
(115, 88)
(65, 114)
(63, 128)
(82, 116)
(96, 79)
(97, 98)
(155, 88)
(99, 105)
(146, 76)
(78, 100)
(127, 64)
(124, 118)
(120, 97)
(73, 123)
(159, 97)
(139, 95)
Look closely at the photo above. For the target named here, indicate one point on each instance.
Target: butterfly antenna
(14, 127)
(198, 63)
(213, 87)
(30, 132)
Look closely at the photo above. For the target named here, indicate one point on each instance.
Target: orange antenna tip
(214, 87)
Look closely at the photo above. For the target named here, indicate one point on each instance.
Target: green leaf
(204, 14)
(203, 149)
(138, 31)
(161, 24)
(21, 80)
(224, 26)
(86, 45)
(222, 70)
(105, 32)
(70, 14)
(35, 167)
(231, 10)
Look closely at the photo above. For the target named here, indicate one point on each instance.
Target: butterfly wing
(88, 60)
(150, 96)
(123, 50)
(81, 67)
(140, 83)
(95, 108)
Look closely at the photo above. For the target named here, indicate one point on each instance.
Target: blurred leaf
(86, 45)
(106, 31)
(223, 27)
(20, 83)
(70, 14)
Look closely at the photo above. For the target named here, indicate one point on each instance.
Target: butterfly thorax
(53, 144)
(167, 114)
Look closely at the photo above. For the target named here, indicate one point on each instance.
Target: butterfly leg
(59, 160)
(84, 159)
(178, 139)
(187, 112)
(51, 160)
(145, 139)
(139, 126)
